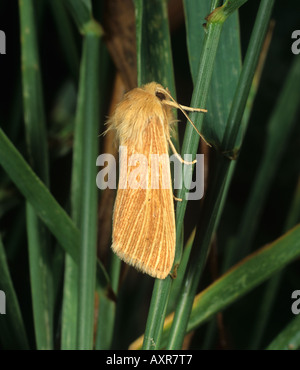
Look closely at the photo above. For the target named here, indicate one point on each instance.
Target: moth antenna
(176, 105)
(184, 107)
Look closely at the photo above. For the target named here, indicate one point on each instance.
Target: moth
(144, 233)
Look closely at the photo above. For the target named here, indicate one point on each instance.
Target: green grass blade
(157, 313)
(39, 196)
(233, 126)
(88, 115)
(107, 310)
(245, 120)
(294, 211)
(240, 279)
(243, 277)
(289, 338)
(70, 305)
(271, 289)
(12, 330)
(266, 304)
(223, 12)
(154, 57)
(51, 213)
(81, 11)
(40, 257)
(33, 105)
(223, 83)
(279, 129)
(177, 283)
(215, 194)
(199, 99)
(190, 144)
(225, 74)
(41, 279)
(84, 194)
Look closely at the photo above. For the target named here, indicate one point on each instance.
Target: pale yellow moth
(144, 221)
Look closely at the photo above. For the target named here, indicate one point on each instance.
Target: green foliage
(61, 294)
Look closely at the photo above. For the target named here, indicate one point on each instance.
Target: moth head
(160, 95)
(156, 90)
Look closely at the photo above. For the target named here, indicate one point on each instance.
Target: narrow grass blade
(271, 289)
(154, 57)
(191, 141)
(55, 217)
(33, 105)
(40, 257)
(107, 310)
(39, 196)
(12, 330)
(233, 125)
(88, 116)
(81, 11)
(279, 129)
(212, 326)
(223, 83)
(224, 77)
(243, 277)
(215, 194)
(41, 279)
(70, 305)
(177, 283)
(289, 338)
(226, 10)
(199, 99)
(240, 279)
(84, 191)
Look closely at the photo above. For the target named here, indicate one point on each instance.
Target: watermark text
(138, 171)
(2, 303)
(2, 42)
(296, 44)
(296, 304)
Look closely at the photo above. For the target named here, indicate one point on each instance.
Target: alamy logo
(2, 43)
(2, 303)
(296, 44)
(296, 304)
(152, 175)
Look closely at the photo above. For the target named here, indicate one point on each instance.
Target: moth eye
(160, 95)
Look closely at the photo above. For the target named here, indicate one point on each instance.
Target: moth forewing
(144, 233)
(144, 222)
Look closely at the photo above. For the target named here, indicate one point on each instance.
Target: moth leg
(183, 108)
(177, 199)
(178, 155)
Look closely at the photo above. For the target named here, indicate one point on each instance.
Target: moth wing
(144, 221)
